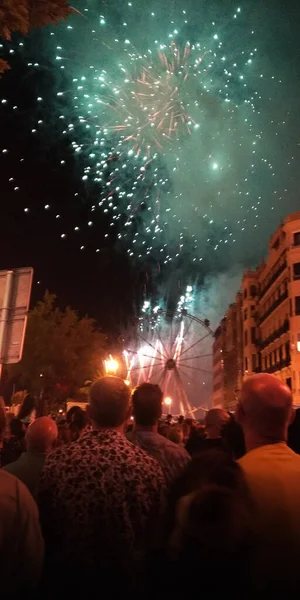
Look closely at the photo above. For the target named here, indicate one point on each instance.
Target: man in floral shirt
(100, 500)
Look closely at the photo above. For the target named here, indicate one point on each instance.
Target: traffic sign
(15, 290)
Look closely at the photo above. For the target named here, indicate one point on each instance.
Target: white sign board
(15, 290)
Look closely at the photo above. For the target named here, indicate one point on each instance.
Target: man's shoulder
(61, 452)
(12, 467)
(12, 489)
(264, 457)
(7, 481)
(88, 448)
(172, 448)
(137, 454)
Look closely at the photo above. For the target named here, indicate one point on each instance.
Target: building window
(287, 350)
(265, 362)
(253, 291)
(246, 338)
(296, 270)
(253, 335)
(252, 309)
(245, 315)
(289, 382)
(297, 305)
(246, 364)
(297, 238)
(253, 362)
(245, 293)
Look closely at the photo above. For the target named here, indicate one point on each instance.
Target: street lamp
(168, 401)
(111, 365)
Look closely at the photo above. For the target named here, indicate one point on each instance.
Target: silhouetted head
(109, 402)
(210, 516)
(233, 436)
(265, 410)
(72, 412)
(41, 435)
(27, 407)
(147, 404)
(215, 420)
(17, 428)
(175, 434)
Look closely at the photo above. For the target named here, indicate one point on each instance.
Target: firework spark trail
(130, 114)
(129, 363)
(157, 104)
(152, 362)
(171, 110)
(156, 113)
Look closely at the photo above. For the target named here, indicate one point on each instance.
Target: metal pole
(4, 316)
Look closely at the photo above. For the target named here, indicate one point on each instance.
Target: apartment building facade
(227, 361)
(270, 314)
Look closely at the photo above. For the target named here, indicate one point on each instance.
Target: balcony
(274, 305)
(276, 334)
(273, 278)
(284, 362)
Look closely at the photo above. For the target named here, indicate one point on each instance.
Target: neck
(254, 441)
(119, 429)
(152, 428)
(39, 450)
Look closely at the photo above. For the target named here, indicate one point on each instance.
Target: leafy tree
(22, 15)
(61, 351)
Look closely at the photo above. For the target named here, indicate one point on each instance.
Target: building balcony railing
(276, 334)
(273, 278)
(281, 364)
(274, 305)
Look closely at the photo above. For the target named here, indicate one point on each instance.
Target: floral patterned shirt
(99, 500)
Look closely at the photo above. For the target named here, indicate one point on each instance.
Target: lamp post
(111, 365)
(168, 401)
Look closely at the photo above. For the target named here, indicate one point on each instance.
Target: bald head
(265, 409)
(41, 435)
(109, 402)
(215, 420)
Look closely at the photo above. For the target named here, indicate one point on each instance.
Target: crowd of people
(118, 500)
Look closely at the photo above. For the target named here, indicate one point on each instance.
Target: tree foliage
(22, 15)
(61, 350)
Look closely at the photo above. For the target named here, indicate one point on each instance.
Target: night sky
(112, 207)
